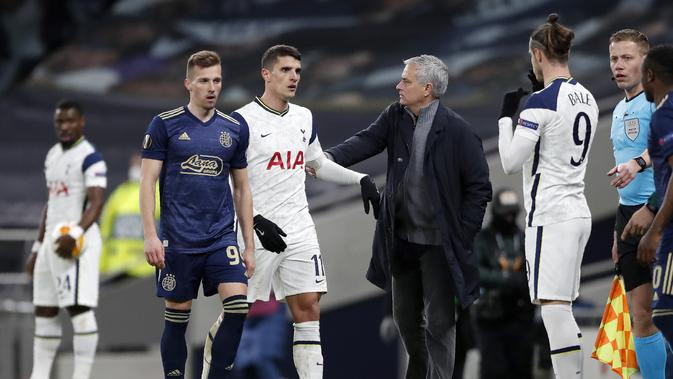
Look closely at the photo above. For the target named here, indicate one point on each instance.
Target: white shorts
(553, 259)
(298, 269)
(59, 282)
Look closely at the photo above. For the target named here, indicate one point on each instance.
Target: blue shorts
(183, 274)
(662, 273)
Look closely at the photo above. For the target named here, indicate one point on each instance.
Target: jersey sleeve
(533, 117)
(95, 170)
(155, 142)
(514, 148)
(239, 159)
(314, 148)
(330, 171)
(666, 136)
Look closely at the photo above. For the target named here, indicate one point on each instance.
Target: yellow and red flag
(614, 342)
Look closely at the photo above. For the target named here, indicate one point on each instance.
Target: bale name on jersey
(562, 119)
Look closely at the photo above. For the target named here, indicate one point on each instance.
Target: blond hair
(203, 59)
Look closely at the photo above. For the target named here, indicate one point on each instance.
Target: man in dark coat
(435, 197)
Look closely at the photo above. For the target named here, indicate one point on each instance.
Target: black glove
(535, 85)
(510, 102)
(269, 234)
(370, 194)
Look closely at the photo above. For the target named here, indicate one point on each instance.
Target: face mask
(134, 173)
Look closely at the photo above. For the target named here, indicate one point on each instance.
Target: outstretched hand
(370, 194)
(624, 174)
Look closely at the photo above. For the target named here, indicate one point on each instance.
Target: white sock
(84, 343)
(45, 345)
(564, 340)
(306, 350)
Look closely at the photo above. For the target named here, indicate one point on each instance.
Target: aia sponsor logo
(57, 188)
(206, 165)
(286, 161)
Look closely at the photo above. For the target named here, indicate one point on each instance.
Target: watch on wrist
(651, 208)
(641, 162)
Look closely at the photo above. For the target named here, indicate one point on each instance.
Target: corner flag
(614, 342)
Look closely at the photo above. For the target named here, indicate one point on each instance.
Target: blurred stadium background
(124, 60)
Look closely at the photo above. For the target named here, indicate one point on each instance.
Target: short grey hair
(430, 69)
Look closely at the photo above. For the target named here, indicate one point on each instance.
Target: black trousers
(424, 309)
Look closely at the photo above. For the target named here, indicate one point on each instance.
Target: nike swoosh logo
(319, 281)
(302, 130)
(264, 135)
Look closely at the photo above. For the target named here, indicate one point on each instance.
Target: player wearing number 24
(64, 259)
(550, 146)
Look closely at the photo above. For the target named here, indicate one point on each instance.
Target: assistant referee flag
(614, 342)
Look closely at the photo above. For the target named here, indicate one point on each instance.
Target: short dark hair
(203, 58)
(272, 54)
(70, 104)
(660, 60)
(553, 39)
(632, 35)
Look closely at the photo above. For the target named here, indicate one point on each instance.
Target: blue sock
(224, 337)
(173, 344)
(669, 362)
(651, 354)
(663, 319)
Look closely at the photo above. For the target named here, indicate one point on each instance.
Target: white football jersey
(562, 119)
(68, 173)
(280, 145)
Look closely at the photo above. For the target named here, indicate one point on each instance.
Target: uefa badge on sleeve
(147, 141)
(225, 139)
(168, 282)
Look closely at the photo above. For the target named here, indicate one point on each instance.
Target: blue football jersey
(661, 146)
(630, 129)
(197, 210)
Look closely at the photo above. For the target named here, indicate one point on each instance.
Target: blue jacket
(456, 175)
